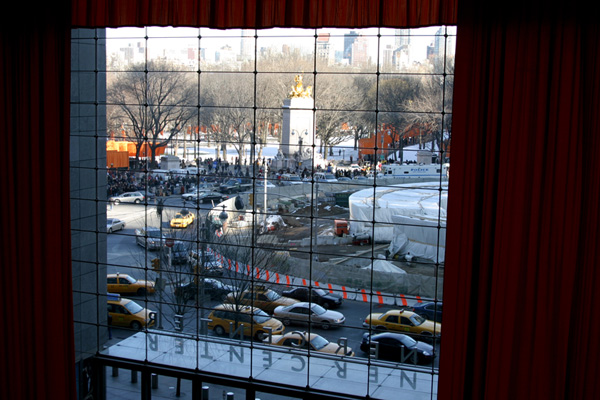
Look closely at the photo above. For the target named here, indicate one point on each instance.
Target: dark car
(429, 310)
(397, 347)
(206, 197)
(231, 186)
(213, 288)
(179, 253)
(319, 296)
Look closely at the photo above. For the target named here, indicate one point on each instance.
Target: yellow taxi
(261, 297)
(252, 321)
(182, 219)
(125, 284)
(404, 321)
(310, 341)
(127, 313)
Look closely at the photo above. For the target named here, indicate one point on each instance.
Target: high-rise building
(323, 47)
(247, 45)
(349, 39)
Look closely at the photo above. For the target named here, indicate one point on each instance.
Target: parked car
(315, 295)
(149, 238)
(325, 177)
(205, 197)
(114, 224)
(430, 310)
(397, 347)
(312, 341)
(290, 179)
(344, 179)
(128, 197)
(304, 313)
(193, 195)
(231, 186)
(125, 284)
(254, 322)
(213, 288)
(180, 252)
(260, 183)
(183, 219)
(261, 297)
(127, 313)
(212, 265)
(404, 321)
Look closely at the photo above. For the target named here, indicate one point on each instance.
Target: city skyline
(132, 45)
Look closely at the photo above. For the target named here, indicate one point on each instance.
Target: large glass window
(253, 170)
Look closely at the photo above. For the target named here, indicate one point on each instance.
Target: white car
(261, 184)
(304, 312)
(114, 224)
(193, 195)
(129, 197)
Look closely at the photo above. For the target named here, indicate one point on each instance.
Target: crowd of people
(217, 171)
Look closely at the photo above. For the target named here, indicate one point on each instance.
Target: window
(360, 119)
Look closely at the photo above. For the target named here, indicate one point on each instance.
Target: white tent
(422, 206)
(385, 266)
(421, 238)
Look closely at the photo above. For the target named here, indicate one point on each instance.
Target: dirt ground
(298, 226)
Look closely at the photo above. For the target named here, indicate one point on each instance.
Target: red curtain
(523, 221)
(264, 13)
(36, 319)
(523, 210)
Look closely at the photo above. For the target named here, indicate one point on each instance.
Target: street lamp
(159, 209)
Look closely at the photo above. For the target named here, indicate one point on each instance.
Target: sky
(213, 39)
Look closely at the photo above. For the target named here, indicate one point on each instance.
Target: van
(325, 177)
(163, 173)
(250, 321)
(290, 179)
(196, 170)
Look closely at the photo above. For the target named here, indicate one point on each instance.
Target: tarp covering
(385, 266)
(372, 210)
(420, 238)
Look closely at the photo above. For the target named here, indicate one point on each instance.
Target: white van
(196, 170)
(290, 179)
(163, 173)
(325, 177)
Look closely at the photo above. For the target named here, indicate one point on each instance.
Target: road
(124, 256)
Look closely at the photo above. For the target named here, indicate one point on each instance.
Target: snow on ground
(341, 152)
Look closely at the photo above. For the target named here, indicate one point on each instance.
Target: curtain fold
(522, 216)
(262, 14)
(36, 326)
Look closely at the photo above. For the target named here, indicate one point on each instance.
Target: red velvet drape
(523, 219)
(523, 222)
(264, 13)
(37, 358)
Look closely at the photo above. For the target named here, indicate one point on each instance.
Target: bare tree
(336, 100)
(157, 100)
(431, 108)
(250, 268)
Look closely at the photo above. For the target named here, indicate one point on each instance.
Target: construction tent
(406, 215)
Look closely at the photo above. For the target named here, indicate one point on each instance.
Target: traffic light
(156, 264)
(251, 199)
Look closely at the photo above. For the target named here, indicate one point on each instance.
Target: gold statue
(298, 90)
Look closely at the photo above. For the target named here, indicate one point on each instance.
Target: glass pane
(240, 172)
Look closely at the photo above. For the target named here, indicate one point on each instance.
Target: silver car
(303, 313)
(128, 197)
(114, 224)
(149, 238)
